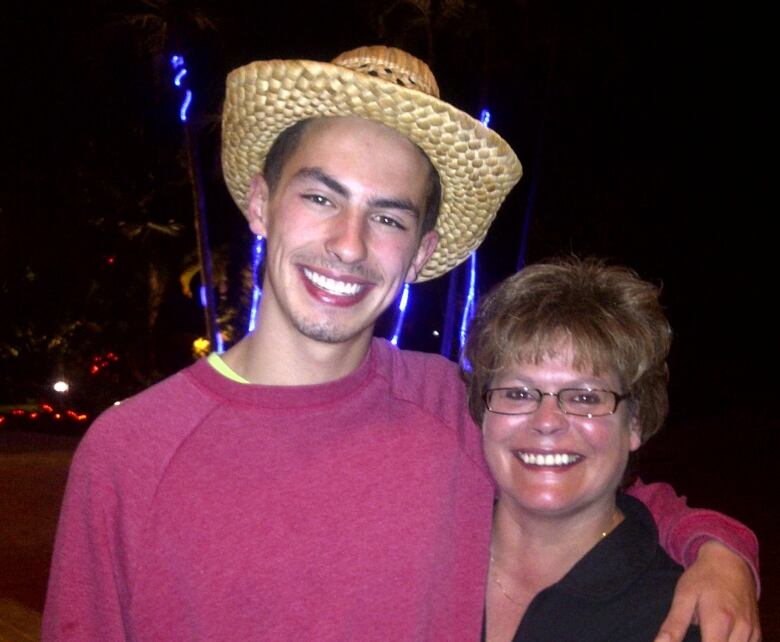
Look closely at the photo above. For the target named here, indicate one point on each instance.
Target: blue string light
(177, 63)
(471, 282)
(179, 76)
(399, 321)
(258, 248)
(185, 105)
(402, 304)
(468, 308)
(471, 285)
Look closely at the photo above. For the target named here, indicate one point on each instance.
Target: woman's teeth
(549, 459)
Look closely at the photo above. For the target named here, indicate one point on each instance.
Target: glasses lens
(584, 402)
(513, 401)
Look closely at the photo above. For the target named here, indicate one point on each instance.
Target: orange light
(201, 347)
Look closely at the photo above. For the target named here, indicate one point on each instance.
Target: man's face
(342, 229)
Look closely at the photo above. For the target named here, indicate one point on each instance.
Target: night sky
(643, 129)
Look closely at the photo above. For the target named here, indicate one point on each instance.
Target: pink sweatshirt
(206, 509)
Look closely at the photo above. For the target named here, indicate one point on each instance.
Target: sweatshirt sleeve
(83, 597)
(682, 529)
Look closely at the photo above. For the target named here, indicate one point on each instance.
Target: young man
(315, 483)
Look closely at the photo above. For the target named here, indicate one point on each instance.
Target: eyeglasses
(582, 402)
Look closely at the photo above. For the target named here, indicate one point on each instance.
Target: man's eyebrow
(396, 204)
(315, 173)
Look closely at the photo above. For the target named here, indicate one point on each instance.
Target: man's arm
(721, 583)
(82, 601)
(725, 611)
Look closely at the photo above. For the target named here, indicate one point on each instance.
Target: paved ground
(697, 459)
(33, 470)
(18, 623)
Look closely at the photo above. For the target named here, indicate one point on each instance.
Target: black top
(621, 591)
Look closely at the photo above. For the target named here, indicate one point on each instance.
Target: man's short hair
(287, 142)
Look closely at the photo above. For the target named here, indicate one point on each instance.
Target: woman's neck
(547, 546)
(531, 552)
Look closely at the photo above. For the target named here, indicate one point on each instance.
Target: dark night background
(644, 130)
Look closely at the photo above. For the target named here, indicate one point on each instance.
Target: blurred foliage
(95, 239)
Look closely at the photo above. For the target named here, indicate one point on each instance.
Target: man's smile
(331, 290)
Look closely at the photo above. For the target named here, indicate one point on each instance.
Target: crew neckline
(218, 384)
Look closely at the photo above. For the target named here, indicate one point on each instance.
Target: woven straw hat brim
(476, 166)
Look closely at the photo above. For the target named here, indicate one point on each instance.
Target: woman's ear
(635, 433)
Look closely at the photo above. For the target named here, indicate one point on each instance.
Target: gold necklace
(494, 566)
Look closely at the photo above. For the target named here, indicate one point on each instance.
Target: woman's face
(589, 454)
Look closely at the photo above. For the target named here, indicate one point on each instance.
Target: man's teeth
(558, 459)
(331, 285)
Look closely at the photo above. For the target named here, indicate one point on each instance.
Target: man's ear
(427, 245)
(257, 208)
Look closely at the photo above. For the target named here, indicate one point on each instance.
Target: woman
(567, 377)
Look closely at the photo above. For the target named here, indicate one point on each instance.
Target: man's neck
(295, 360)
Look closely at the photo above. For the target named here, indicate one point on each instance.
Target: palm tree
(165, 26)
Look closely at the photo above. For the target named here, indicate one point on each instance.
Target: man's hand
(717, 591)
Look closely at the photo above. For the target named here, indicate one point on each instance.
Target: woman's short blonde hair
(611, 318)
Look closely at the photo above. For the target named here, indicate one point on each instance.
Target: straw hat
(476, 166)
